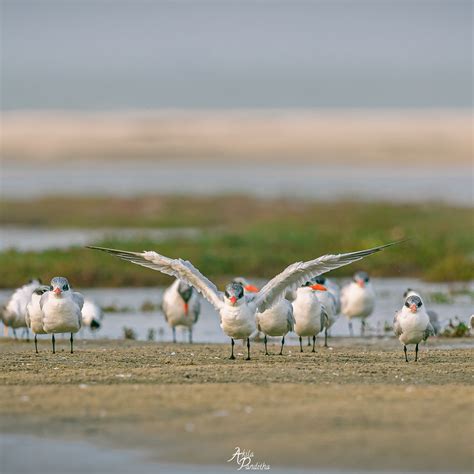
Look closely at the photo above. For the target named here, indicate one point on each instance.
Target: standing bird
(310, 315)
(181, 307)
(15, 310)
(92, 315)
(412, 324)
(34, 313)
(358, 299)
(276, 321)
(330, 303)
(237, 311)
(433, 315)
(62, 310)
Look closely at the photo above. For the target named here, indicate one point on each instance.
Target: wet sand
(355, 406)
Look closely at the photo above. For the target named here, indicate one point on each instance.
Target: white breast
(357, 302)
(307, 312)
(413, 326)
(61, 314)
(174, 307)
(238, 321)
(275, 321)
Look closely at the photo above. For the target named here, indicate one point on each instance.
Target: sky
(121, 54)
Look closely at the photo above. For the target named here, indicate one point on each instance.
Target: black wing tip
(113, 251)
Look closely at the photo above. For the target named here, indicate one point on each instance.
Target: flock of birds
(300, 299)
(50, 309)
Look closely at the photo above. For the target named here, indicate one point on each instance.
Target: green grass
(244, 236)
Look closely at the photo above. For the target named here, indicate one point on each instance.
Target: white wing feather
(178, 268)
(300, 272)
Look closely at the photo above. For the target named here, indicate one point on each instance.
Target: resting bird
(181, 307)
(433, 315)
(330, 302)
(62, 310)
(92, 315)
(412, 324)
(358, 299)
(237, 311)
(15, 310)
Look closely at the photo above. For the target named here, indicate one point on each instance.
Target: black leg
(232, 356)
(265, 342)
(351, 332)
(72, 351)
(27, 335)
(362, 328)
(14, 333)
(282, 344)
(405, 350)
(416, 353)
(325, 337)
(191, 335)
(54, 344)
(309, 341)
(301, 344)
(36, 344)
(314, 344)
(174, 334)
(248, 348)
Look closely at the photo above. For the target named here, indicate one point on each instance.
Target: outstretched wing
(300, 272)
(178, 268)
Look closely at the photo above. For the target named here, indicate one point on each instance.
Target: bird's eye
(65, 287)
(227, 294)
(419, 304)
(50, 288)
(407, 304)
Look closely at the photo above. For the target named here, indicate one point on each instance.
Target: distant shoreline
(324, 136)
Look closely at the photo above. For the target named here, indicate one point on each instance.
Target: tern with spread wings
(237, 310)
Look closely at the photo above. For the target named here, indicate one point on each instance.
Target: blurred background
(241, 135)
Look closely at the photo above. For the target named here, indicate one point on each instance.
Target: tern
(358, 299)
(181, 307)
(92, 315)
(276, 321)
(236, 310)
(433, 315)
(15, 310)
(329, 300)
(34, 313)
(310, 315)
(62, 310)
(412, 324)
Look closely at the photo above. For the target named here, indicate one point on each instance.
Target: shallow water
(52, 456)
(207, 330)
(451, 184)
(38, 239)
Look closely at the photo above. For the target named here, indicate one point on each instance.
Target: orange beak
(57, 291)
(361, 283)
(413, 308)
(233, 299)
(318, 287)
(186, 308)
(251, 289)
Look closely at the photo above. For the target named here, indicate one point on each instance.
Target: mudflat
(355, 406)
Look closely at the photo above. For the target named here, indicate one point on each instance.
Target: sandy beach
(343, 408)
